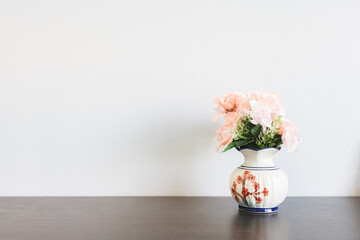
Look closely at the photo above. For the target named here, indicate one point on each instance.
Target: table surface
(108, 218)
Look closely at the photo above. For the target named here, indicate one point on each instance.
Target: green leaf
(229, 146)
(278, 141)
(251, 145)
(247, 136)
(241, 143)
(255, 130)
(250, 124)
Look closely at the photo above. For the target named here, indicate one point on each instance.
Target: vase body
(258, 185)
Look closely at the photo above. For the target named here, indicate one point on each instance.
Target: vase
(258, 186)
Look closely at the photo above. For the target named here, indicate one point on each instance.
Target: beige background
(116, 97)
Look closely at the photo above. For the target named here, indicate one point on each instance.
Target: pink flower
(253, 95)
(265, 107)
(273, 102)
(227, 103)
(261, 114)
(231, 117)
(289, 135)
(285, 124)
(244, 104)
(232, 105)
(224, 135)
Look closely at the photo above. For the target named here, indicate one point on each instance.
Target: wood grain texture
(113, 218)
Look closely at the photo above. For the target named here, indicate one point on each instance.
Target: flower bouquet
(254, 120)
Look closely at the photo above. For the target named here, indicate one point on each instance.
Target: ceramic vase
(258, 186)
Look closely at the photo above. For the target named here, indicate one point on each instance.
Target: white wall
(115, 97)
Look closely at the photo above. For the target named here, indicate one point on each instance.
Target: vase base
(259, 210)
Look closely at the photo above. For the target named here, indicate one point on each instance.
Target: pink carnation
(231, 105)
(265, 107)
(244, 104)
(224, 135)
(289, 135)
(261, 114)
(253, 95)
(231, 117)
(272, 100)
(227, 103)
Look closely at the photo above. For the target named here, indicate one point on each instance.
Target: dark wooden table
(105, 218)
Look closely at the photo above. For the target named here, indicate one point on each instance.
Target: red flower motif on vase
(258, 200)
(241, 180)
(265, 192)
(256, 186)
(252, 178)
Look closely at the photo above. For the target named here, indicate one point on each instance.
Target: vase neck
(259, 158)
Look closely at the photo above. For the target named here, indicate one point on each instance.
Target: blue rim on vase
(258, 210)
(254, 149)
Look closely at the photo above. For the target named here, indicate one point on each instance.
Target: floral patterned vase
(258, 185)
